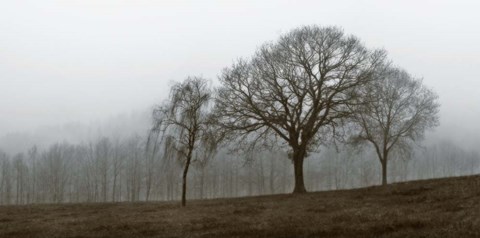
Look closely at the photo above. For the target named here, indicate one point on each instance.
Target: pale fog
(77, 70)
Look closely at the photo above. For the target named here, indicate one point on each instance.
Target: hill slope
(431, 208)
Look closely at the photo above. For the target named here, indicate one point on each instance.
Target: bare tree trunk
(298, 158)
(250, 182)
(115, 171)
(184, 177)
(202, 182)
(261, 179)
(272, 176)
(34, 182)
(104, 185)
(384, 171)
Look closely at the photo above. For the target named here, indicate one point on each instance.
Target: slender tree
(184, 119)
(33, 154)
(297, 89)
(395, 111)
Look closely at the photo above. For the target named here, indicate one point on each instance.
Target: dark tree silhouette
(296, 89)
(184, 120)
(396, 110)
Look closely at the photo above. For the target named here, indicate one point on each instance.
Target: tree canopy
(297, 89)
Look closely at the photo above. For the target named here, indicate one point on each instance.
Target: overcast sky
(83, 60)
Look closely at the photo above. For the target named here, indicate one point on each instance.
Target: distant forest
(112, 170)
(314, 110)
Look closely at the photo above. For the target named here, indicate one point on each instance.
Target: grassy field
(431, 208)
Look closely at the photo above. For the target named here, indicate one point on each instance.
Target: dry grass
(431, 208)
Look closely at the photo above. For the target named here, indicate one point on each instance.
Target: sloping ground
(432, 208)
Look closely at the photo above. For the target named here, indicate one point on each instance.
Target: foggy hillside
(139, 122)
(281, 118)
(439, 208)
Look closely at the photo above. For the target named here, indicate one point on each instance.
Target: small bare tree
(395, 111)
(296, 89)
(184, 120)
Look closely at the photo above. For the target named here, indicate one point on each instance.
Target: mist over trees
(297, 89)
(298, 102)
(183, 121)
(394, 112)
(74, 173)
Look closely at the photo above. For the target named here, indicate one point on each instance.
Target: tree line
(313, 86)
(312, 90)
(112, 170)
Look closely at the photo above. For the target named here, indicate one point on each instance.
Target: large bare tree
(395, 111)
(184, 119)
(296, 89)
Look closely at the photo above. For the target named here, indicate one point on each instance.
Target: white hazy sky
(83, 60)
